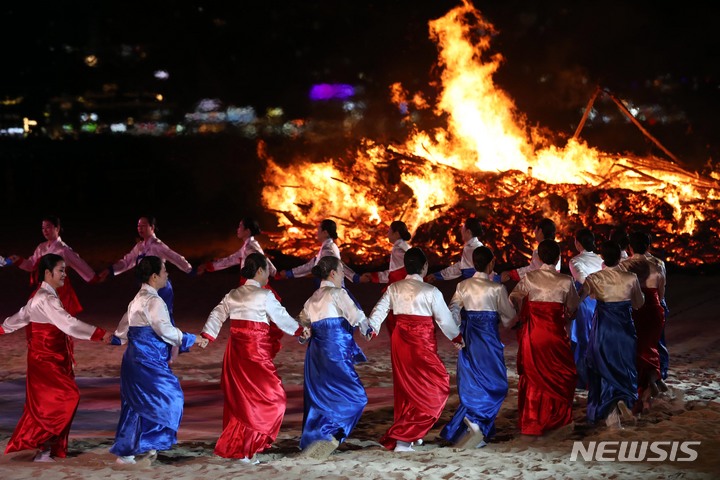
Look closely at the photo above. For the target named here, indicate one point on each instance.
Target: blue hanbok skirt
(334, 396)
(481, 375)
(580, 335)
(610, 359)
(150, 394)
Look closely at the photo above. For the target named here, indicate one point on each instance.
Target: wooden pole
(623, 109)
(588, 107)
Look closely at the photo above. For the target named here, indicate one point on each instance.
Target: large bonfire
(487, 162)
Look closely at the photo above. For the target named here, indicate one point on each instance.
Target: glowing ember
(489, 163)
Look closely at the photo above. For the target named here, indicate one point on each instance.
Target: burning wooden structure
(487, 162)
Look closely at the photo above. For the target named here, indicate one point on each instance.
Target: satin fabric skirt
(393, 277)
(51, 394)
(649, 323)
(610, 359)
(421, 384)
(334, 396)
(255, 400)
(546, 367)
(481, 375)
(662, 345)
(580, 336)
(150, 395)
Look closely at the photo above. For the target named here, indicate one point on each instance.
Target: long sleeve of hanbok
(637, 298)
(577, 272)
(227, 262)
(519, 293)
(163, 251)
(279, 315)
(443, 317)
(28, 264)
(350, 311)
(159, 317)
(535, 263)
(456, 305)
(217, 317)
(57, 246)
(449, 273)
(328, 248)
(50, 310)
(465, 263)
(379, 312)
(121, 332)
(304, 269)
(505, 309)
(572, 300)
(128, 261)
(74, 261)
(16, 321)
(249, 302)
(151, 246)
(381, 277)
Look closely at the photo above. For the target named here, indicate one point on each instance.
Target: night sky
(269, 52)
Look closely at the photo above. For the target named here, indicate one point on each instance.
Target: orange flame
(484, 133)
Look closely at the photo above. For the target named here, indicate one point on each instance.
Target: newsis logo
(634, 451)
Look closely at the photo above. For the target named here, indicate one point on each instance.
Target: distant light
(159, 97)
(118, 127)
(208, 105)
(275, 112)
(27, 123)
(162, 74)
(91, 61)
(88, 117)
(15, 131)
(241, 115)
(328, 91)
(11, 101)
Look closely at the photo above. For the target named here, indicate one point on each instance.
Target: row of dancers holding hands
(334, 397)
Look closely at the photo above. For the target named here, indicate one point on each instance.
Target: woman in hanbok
(149, 244)
(326, 236)
(398, 235)
(649, 319)
(546, 300)
(151, 398)
(246, 231)
(610, 359)
(545, 229)
(334, 396)
(51, 229)
(582, 265)
(254, 398)
(51, 394)
(478, 306)
(470, 231)
(421, 384)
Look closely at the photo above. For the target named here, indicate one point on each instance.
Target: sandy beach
(688, 412)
